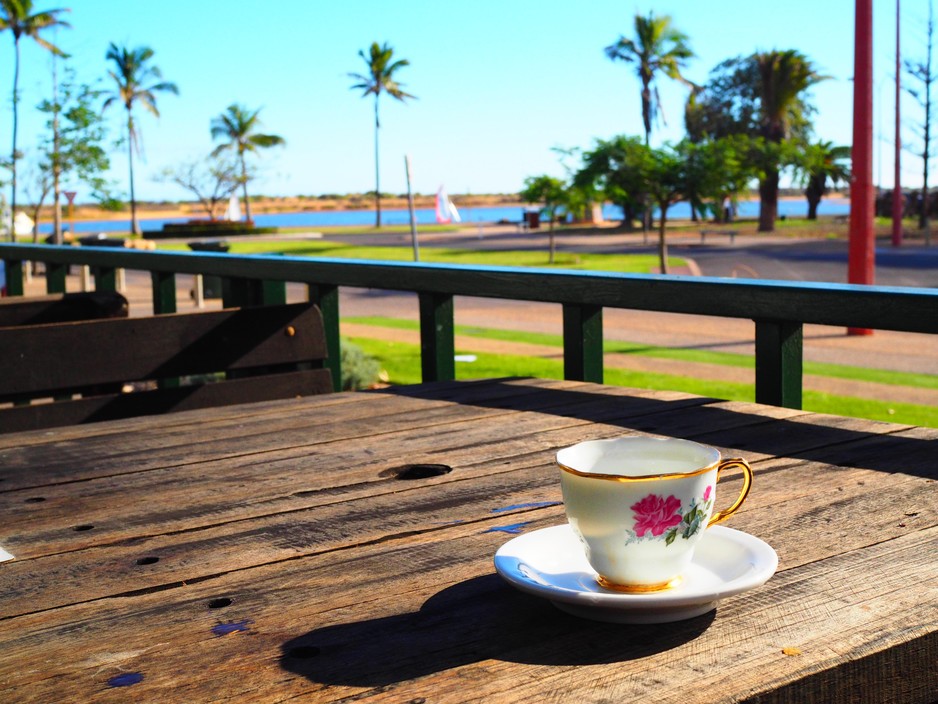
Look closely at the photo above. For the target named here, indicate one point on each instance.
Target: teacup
(640, 505)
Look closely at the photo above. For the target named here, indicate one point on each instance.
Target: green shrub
(359, 370)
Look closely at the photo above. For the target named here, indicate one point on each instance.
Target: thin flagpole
(897, 185)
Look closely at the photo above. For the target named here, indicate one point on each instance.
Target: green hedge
(208, 228)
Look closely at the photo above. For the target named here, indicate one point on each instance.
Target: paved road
(751, 256)
(813, 260)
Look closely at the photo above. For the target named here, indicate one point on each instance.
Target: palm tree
(137, 81)
(19, 18)
(238, 125)
(657, 48)
(819, 163)
(380, 78)
(782, 77)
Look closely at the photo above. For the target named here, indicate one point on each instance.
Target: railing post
(55, 277)
(273, 293)
(14, 273)
(437, 347)
(240, 292)
(164, 301)
(583, 343)
(105, 278)
(236, 293)
(326, 296)
(164, 291)
(779, 351)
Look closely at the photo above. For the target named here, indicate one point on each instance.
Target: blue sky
(498, 83)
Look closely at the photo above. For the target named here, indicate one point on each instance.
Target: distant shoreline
(268, 206)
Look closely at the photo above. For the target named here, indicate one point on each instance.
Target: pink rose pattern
(663, 516)
(656, 514)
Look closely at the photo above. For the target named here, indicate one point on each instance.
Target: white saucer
(550, 563)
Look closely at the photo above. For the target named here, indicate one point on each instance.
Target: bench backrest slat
(264, 353)
(58, 357)
(62, 307)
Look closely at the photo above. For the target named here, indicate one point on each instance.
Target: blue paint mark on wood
(126, 679)
(535, 504)
(224, 629)
(513, 528)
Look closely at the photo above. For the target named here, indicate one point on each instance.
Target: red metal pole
(861, 260)
(897, 181)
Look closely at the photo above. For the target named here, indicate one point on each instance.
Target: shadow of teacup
(472, 621)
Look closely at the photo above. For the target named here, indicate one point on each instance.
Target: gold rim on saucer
(638, 588)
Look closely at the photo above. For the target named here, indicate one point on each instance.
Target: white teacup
(640, 505)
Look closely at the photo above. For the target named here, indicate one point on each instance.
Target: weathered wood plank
(170, 426)
(62, 307)
(307, 524)
(291, 564)
(260, 483)
(169, 399)
(378, 624)
(107, 457)
(187, 438)
(478, 436)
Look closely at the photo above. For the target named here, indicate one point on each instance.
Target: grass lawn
(402, 363)
(880, 376)
(623, 263)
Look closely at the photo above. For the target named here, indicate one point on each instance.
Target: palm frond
(266, 140)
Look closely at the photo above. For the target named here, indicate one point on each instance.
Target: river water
(427, 216)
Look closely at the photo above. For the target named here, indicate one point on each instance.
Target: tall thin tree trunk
(646, 103)
(134, 225)
(768, 201)
(550, 233)
(377, 171)
(926, 138)
(16, 101)
(244, 187)
(662, 241)
(56, 159)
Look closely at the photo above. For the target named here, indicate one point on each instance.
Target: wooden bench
(62, 307)
(730, 233)
(174, 362)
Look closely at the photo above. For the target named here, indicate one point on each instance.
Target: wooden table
(312, 549)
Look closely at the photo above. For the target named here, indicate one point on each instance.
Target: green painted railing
(779, 309)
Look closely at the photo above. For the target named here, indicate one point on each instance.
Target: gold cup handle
(733, 463)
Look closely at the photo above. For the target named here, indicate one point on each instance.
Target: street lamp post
(861, 260)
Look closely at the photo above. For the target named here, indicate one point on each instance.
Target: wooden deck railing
(779, 309)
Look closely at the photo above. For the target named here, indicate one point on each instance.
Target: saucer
(550, 563)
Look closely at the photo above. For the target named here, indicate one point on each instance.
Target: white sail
(445, 208)
(233, 212)
(453, 213)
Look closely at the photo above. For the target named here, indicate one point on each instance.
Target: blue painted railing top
(887, 308)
